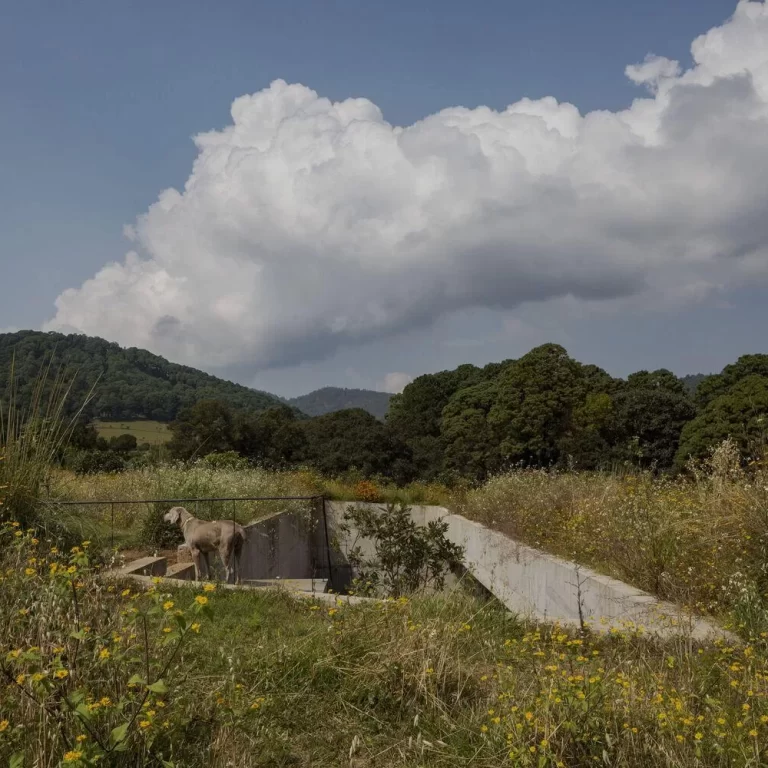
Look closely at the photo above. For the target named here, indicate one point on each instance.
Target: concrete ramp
(543, 587)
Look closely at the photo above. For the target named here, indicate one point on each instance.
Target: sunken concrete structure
(527, 581)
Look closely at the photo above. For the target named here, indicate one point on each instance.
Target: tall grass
(31, 438)
(701, 540)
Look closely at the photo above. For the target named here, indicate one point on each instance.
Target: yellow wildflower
(104, 653)
(201, 600)
(209, 588)
(3, 725)
(195, 627)
(168, 605)
(73, 756)
(60, 674)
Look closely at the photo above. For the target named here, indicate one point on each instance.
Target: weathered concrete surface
(183, 571)
(285, 545)
(537, 585)
(145, 566)
(304, 585)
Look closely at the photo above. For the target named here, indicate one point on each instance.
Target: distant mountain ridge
(692, 381)
(331, 399)
(132, 383)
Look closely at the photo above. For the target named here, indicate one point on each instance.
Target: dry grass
(702, 541)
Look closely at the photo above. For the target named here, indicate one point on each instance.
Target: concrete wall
(284, 545)
(526, 580)
(541, 586)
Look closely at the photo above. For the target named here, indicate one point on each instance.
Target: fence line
(87, 502)
(196, 501)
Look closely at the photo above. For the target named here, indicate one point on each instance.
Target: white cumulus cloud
(396, 382)
(306, 224)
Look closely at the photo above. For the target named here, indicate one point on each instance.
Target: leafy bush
(157, 532)
(408, 557)
(96, 462)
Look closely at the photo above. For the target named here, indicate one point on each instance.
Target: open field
(152, 432)
(235, 678)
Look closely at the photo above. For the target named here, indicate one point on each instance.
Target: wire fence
(135, 522)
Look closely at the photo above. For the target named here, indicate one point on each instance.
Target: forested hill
(134, 383)
(332, 399)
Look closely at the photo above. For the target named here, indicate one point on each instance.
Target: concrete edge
(642, 610)
(326, 597)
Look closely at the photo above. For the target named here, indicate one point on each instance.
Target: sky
(299, 194)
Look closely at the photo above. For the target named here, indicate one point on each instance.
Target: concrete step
(183, 571)
(302, 585)
(144, 566)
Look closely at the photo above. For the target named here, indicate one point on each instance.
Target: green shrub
(156, 532)
(409, 557)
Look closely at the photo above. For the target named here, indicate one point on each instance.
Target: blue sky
(100, 101)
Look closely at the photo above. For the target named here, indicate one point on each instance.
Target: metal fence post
(327, 545)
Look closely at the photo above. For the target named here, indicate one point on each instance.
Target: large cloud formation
(307, 224)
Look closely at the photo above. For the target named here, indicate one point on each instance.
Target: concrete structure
(145, 566)
(540, 586)
(184, 571)
(527, 581)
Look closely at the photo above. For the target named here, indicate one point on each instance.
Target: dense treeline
(542, 410)
(132, 383)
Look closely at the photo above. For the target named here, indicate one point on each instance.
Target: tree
(713, 386)
(741, 413)
(203, 428)
(591, 439)
(532, 411)
(83, 436)
(651, 411)
(123, 443)
(274, 437)
(415, 415)
(468, 443)
(354, 439)
(127, 383)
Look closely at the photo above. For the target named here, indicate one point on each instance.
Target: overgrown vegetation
(700, 540)
(544, 410)
(136, 676)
